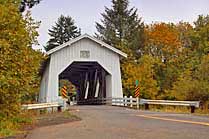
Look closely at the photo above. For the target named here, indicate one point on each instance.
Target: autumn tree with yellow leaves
(19, 63)
(143, 71)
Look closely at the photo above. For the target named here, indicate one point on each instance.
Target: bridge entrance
(90, 64)
(89, 79)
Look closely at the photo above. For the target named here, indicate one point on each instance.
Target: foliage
(11, 126)
(175, 62)
(200, 36)
(169, 60)
(163, 41)
(168, 43)
(27, 3)
(19, 63)
(121, 24)
(21, 4)
(193, 83)
(63, 31)
(143, 71)
(122, 28)
(31, 27)
(71, 89)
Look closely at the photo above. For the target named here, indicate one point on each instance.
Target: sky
(87, 12)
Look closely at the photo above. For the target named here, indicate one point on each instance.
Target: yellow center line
(174, 120)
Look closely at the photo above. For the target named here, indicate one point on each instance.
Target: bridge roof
(105, 45)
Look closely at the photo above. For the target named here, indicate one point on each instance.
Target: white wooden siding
(62, 58)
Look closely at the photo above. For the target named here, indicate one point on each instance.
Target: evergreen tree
(121, 24)
(63, 31)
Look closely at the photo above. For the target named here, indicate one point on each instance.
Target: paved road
(107, 122)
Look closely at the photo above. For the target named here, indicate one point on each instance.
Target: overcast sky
(87, 12)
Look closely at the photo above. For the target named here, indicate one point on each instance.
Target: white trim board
(91, 38)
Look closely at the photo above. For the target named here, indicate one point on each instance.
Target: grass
(13, 126)
(28, 120)
(177, 109)
(7, 128)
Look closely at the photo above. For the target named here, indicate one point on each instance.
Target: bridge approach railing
(136, 102)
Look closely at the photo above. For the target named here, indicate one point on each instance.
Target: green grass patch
(7, 128)
(12, 126)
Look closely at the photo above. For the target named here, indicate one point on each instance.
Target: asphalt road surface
(108, 122)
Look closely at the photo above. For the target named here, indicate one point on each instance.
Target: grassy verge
(13, 126)
(177, 109)
(19, 126)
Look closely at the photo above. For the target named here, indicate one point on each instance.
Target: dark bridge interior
(89, 79)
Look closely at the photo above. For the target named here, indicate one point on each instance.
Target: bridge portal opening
(91, 80)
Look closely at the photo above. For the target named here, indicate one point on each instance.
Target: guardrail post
(125, 101)
(59, 109)
(146, 106)
(73, 100)
(131, 101)
(137, 102)
(192, 109)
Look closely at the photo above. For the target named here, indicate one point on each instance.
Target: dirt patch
(54, 119)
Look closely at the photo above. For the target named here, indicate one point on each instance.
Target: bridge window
(84, 54)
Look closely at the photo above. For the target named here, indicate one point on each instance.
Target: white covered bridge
(90, 64)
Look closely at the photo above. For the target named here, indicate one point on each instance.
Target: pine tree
(63, 31)
(121, 24)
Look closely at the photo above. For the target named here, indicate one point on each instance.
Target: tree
(121, 24)
(27, 3)
(200, 36)
(163, 41)
(165, 44)
(22, 4)
(184, 30)
(63, 31)
(19, 63)
(193, 85)
(144, 73)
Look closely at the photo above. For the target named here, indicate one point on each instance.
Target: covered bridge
(90, 64)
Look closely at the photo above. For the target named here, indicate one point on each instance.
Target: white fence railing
(136, 102)
(171, 102)
(130, 102)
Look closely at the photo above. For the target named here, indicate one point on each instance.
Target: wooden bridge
(90, 64)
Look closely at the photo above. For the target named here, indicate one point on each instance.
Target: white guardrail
(130, 102)
(40, 105)
(60, 104)
(125, 101)
(171, 102)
